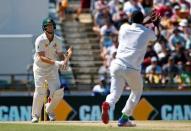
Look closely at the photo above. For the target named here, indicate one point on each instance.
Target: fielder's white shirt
(133, 40)
(51, 49)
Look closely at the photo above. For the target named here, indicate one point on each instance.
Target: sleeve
(39, 45)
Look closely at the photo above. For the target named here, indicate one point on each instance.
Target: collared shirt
(51, 49)
(133, 41)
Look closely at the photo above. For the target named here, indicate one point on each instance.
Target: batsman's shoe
(105, 114)
(125, 123)
(35, 119)
(51, 116)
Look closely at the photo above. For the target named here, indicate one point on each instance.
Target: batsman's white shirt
(43, 70)
(133, 40)
(50, 48)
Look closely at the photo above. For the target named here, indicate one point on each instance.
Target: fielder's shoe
(125, 123)
(105, 114)
(35, 119)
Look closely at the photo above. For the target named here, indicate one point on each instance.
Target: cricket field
(95, 126)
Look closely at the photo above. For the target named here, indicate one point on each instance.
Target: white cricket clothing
(38, 99)
(125, 68)
(44, 71)
(133, 41)
(51, 49)
(121, 75)
(55, 100)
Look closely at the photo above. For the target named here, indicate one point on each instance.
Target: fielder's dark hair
(137, 17)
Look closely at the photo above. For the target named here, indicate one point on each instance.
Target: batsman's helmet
(46, 21)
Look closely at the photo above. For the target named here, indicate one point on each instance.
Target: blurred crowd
(168, 59)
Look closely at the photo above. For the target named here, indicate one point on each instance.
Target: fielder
(133, 40)
(48, 47)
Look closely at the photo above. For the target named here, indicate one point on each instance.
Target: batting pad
(57, 97)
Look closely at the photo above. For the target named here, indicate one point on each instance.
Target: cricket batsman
(48, 59)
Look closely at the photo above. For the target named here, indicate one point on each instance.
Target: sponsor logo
(144, 111)
(15, 113)
(176, 112)
(92, 113)
(64, 111)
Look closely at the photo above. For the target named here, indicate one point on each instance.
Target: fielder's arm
(147, 20)
(154, 18)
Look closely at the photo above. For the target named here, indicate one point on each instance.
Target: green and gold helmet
(46, 21)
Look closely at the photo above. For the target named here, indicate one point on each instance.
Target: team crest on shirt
(46, 45)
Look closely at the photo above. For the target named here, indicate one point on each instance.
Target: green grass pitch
(95, 126)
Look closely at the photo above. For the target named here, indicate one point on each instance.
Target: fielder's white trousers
(119, 76)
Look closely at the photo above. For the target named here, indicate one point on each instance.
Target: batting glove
(59, 64)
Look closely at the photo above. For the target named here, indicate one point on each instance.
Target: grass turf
(96, 126)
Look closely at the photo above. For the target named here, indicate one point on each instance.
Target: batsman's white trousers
(119, 76)
(51, 75)
(40, 76)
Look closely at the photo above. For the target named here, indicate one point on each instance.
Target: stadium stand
(95, 47)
